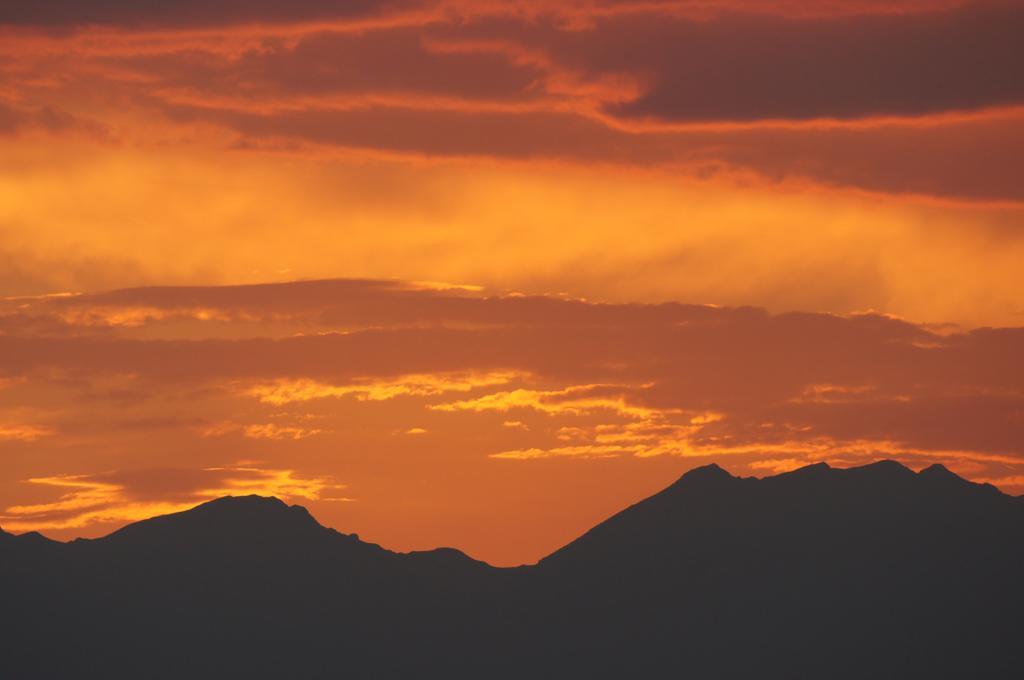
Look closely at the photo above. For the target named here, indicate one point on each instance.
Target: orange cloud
(24, 433)
(937, 115)
(572, 400)
(582, 451)
(288, 391)
(272, 431)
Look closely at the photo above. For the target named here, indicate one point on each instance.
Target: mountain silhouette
(868, 572)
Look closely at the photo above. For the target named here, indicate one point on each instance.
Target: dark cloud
(187, 13)
(349, 302)
(394, 61)
(195, 14)
(532, 85)
(508, 134)
(806, 376)
(15, 119)
(755, 67)
(977, 157)
(737, 65)
(964, 422)
(970, 158)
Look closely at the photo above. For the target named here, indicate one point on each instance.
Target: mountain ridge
(846, 573)
(252, 507)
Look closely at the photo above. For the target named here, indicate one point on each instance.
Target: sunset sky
(481, 273)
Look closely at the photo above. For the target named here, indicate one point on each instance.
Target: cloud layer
(852, 94)
(833, 156)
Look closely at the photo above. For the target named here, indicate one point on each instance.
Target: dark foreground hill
(870, 572)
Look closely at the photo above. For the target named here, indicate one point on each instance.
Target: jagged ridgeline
(869, 572)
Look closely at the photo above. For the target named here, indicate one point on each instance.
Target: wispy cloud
(25, 433)
(288, 391)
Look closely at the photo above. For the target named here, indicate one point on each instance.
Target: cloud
(585, 451)
(576, 399)
(969, 157)
(15, 119)
(186, 13)
(152, 14)
(288, 391)
(23, 433)
(750, 67)
(925, 100)
(717, 378)
(397, 62)
(277, 432)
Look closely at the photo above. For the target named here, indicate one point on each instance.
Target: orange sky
(829, 194)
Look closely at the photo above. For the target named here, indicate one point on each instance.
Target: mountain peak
(885, 464)
(939, 471)
(883, 469)
(712, 471)
(230, 517)
(939, 476)
(258, 509)
(811, 470)
(252, 502)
